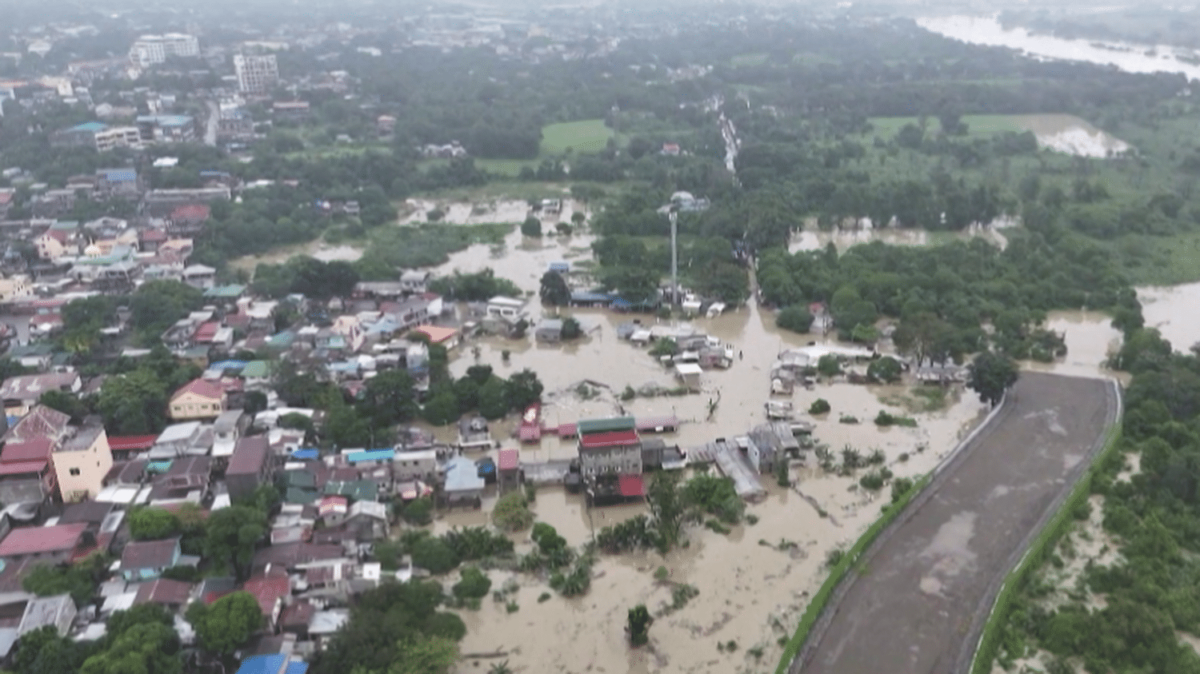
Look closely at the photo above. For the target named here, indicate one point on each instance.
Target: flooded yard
(753, 582)
(1072, 135)
(1172, 310)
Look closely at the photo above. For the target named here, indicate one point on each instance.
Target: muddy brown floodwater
(1172, 310)
(752, 589)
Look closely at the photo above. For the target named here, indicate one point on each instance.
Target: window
(74, 472)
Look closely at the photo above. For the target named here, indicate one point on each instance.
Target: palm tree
(500, 668)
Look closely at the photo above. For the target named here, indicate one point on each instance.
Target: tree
(493, 401)
(432, 554)
(227, 623)
(442, 408)
(428, 655)
(418, 512)
(231, 535)
(254, 402)
(829, 366)
(554, 290)
(152, 523)
(43, 651)
(523, 389)
(571, 328)
(149, 647)
(66, 402)
(885, 369)
(666, 506)
(512, 512)
(990, 375)
(156, 305)
(133, 403)
(924, 336)
(532, 227)
(638, 626)
(796, 318)
(389, 398)
(474, 584)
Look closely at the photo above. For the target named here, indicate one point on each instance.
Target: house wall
(621, 460)
(81, 473)
(16, 286)
(191, 406)
(49, 247)
(408, 468)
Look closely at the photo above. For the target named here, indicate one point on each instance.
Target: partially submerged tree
(638, 625)
(990, 375)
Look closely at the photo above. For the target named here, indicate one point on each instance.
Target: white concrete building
(256, 74)
(151, 49)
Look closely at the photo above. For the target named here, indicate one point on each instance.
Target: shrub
(795, 318)
(872, 481)
(474, 584)
(433, 554)
(544, 597)
(819, 406)
(512, 512)
(885, 369)
(419, 512)
(834, 557)
(900, 487)
(886, 419)
(848, 419)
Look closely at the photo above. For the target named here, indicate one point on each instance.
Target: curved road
(925, 587)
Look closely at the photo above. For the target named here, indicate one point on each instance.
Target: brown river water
(752, 588)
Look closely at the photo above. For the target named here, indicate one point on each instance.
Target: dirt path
(920, 594)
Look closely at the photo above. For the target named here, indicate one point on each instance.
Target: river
(1133, 58)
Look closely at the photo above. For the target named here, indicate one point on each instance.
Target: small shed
(508, 474)
(549, 330)
(688, 375)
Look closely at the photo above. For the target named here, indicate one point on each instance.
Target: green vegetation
(586, 136)
(885, 419)
(638, 627)
(226, 624)
(396, 622)
(512, 512)
(819, 406)
(840, 565)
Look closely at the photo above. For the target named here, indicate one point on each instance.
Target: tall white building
(256, 74)
(152, 49)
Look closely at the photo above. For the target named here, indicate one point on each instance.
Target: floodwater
(810, 238)
(753, 583)
(752, 588)
(1172, 309)
(1133, 58)
(1069, 134)
(484, 212)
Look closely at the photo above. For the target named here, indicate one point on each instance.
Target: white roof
(178, 432)
(124, 495)
(417, 455)
(688, 369)
(503, 301)
(119, 602)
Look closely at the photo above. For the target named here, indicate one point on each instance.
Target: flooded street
(756, 581)
(753, 583)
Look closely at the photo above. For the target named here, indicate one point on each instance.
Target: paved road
(926, 585)
(211, 123)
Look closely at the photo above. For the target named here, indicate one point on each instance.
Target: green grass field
(977, 125)
(752, 59)
(588, 135)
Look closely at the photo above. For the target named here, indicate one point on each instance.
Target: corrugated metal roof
(509, 459)
(371, 455)
(588, 426)
(611, 439)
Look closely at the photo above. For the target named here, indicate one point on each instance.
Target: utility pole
(674, 217)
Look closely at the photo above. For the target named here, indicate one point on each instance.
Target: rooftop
(40, 540)
(587, 426)
(131, 442)
(200, 387)
(268, 590)
(249, 454)
(149, 554)
(36, 449)
(610, 439)
(32, 386)
(83, 440)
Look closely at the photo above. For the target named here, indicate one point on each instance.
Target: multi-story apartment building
(256, 74)
(152, 49)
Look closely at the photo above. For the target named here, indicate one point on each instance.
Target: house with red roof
(54, 544)
(609, 446)
(26, 471)
(188, 219)
(270, 590)
(197, 399)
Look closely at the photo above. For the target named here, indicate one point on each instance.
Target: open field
(589, 135)
(942, 564)
(751, 59)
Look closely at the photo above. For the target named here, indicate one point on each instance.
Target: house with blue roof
(272, 664)
(371, 457)
(98, 136)
(118, 182)
(167, 128)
